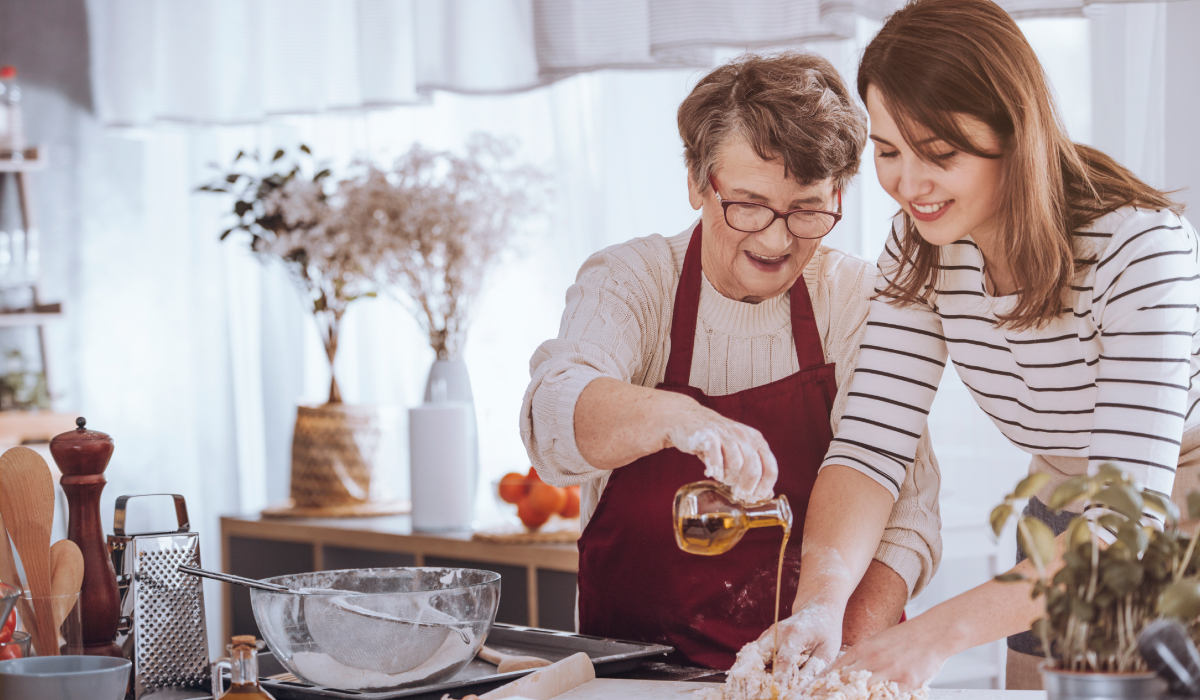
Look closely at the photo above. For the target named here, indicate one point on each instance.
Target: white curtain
(243, 61)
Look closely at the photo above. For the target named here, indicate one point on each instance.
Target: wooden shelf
(33, 158)
(42, 313)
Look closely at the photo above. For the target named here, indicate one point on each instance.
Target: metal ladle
(357, 636)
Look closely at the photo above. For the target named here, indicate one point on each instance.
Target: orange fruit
(533, 475)
(546, 498)
(530, 514)
(571, 508)
(513, 487)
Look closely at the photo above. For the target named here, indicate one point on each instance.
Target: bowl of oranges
(536, 502)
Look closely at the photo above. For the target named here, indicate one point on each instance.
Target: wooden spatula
(66, 576)
(9, 575)
(27, 504)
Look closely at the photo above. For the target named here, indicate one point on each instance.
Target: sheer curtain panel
(243, 61)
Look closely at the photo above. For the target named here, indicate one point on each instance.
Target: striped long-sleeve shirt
(1111, 380)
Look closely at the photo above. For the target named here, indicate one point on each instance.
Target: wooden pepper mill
(82, 456)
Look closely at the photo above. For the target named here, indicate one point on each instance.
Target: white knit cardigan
(617, 324)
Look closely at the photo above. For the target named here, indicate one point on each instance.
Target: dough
(750, 680)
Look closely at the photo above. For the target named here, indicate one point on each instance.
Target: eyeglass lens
(750, 218)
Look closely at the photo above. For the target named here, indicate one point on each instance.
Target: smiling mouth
(767, 260)
(767, 263)
(930, 208)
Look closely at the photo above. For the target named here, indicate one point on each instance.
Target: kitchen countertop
(681, 690)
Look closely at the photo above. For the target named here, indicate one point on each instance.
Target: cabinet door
(514, 587)
(259, 559)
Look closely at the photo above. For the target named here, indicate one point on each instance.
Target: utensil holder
(66, 611)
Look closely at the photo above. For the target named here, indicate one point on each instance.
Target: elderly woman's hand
(814, 631)
(734, 454)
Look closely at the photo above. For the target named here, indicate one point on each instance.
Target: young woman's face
(959, 195)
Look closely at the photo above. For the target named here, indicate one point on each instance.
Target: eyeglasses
(751, 217)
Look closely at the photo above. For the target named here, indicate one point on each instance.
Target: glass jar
(242, 663)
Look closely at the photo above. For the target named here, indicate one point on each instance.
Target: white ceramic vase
(444, 451)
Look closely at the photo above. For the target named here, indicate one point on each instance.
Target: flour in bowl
(749, 679)
(324, 670)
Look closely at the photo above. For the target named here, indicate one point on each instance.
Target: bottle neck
(243, 665)
(773, 513)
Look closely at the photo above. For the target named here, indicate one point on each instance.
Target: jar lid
(80, 434)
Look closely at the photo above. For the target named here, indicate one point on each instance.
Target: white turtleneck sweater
(617, 323)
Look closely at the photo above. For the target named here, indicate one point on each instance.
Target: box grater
(162, 627)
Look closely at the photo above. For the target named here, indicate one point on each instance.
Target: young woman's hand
(734, 454)
(908, 654)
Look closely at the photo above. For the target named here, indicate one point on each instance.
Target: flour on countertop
(750, 680)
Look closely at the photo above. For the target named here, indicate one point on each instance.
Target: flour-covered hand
(906, 654)
(812, 632)
(733, 453)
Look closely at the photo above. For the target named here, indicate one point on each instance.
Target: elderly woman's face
(755, 266)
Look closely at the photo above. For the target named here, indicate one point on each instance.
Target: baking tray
(609, 656)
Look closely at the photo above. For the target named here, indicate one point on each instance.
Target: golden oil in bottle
(242, 664)
(708, 521)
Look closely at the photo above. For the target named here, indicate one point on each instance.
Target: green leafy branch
(1103, 595)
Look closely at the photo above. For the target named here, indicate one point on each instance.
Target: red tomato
(9, 625)
(12, 651)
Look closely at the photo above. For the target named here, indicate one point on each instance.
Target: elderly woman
(728, 347)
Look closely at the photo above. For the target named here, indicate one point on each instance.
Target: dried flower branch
(289, 218)
(430, 228)
(440, 221)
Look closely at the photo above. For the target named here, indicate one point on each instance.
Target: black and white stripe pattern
(1111, 380)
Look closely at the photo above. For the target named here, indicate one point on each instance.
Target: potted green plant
(287, 212)
(1102, 597)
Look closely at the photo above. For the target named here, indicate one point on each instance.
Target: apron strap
(687, 305)
(804, 327)
(683, 317)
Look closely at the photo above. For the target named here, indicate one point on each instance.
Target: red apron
(634, 581)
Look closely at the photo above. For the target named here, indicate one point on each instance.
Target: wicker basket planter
(334, 452)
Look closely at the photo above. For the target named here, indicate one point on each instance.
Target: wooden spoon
(66, 577)
(27, 505)
(510, 662)
(9, 575)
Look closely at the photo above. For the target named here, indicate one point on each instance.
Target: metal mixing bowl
(422, 625)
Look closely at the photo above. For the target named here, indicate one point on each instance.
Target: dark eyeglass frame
(725, 204)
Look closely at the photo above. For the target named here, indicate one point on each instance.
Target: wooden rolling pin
(549, 682)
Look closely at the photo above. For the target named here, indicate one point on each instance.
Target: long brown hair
(937, 59)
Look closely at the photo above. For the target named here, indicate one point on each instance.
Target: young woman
(1063, 290)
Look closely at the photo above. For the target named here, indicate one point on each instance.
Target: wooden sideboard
(537, 581)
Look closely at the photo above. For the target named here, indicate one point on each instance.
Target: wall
(1182, 127)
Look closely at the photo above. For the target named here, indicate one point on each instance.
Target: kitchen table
(680, 690)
